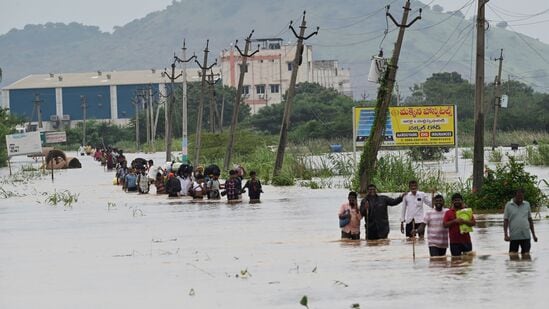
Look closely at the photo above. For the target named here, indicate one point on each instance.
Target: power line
(522, 39)
(469, 3)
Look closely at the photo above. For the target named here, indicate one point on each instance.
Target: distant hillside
(350, 31)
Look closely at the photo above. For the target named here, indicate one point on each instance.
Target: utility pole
(204, 67)
(84, 105)
(213, 100)
(238, 99)
(291, 91)
(384, 95)
(478, 149)
(168, 112)
(136, 103)
(497, 99)
(184, 115)
(150, 100)
(222, 104)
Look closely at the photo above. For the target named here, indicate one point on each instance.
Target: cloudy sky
(106, 14)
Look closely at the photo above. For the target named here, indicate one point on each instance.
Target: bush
(495, 156)
(467, 153)
(500, 185)
(537, 155)
(284, 179)
(426, 153)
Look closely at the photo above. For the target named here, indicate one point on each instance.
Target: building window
(260, 89)
(289, 66)
(245, 68)
(245, 89)
(275, 88)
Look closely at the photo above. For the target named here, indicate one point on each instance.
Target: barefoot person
(349, 211)
(517, 219)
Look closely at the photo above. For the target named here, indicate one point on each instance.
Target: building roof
(98, 78)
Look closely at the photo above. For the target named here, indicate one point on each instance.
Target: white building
(269, 71)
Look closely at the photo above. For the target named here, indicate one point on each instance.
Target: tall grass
(506, 138)
(538, 155)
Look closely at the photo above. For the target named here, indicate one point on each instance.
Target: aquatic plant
(65, 197)
(304, 301)
(538, 155)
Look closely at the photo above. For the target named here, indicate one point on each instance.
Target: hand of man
(535, 238)
(507, 238)
(402, 227)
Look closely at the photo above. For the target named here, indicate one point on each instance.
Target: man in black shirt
(374, 210)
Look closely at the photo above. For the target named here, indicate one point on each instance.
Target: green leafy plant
(426, 153)
(467, 153)
(65, 197)
(538, 155)
(495, 155)
(500, 185)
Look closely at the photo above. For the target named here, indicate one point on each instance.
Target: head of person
(457, 201)
(372, 190)
(200, 169)
(253, 174)
(215, 176)
(200, 178)
(519, 196)
(232, 173)
(171, 175)
(438, 201)
(159, 176)
(151, 162)
(412, 185)
(352, 197)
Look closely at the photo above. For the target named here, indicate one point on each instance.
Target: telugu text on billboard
(410, 125)
(23, 144)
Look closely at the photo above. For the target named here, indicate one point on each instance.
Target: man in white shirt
(412, 210)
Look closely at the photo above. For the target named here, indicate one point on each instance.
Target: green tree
(318, 112)
(8, 123)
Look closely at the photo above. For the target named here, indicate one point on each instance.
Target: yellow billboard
(433, 125)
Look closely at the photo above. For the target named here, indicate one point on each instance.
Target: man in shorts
(517, 219)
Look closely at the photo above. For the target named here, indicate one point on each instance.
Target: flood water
(123, 250)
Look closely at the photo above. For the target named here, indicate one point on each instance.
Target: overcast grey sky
(109, 13)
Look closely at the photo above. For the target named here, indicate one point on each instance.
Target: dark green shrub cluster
(500, 186)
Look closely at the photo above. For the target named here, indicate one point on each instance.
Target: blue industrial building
(106, 96)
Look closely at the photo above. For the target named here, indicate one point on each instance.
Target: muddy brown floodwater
(119, 250)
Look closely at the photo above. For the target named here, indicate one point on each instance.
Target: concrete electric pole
(168, 113)
(204, 67)
(184, 114)
(236, 110)
(291, 92)
(497, 99)
(384, 95)
(478, 149)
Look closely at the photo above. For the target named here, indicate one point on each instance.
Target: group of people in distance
(185, 181)
(445, 226)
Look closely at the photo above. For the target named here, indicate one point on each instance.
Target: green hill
(350, 31)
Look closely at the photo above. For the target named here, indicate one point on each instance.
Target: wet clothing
(437, 234)
(130, 182)
(173, 187)
(185, 184)
(232, 188)
(197, 191)
(350, 236)
(377, 219)
(518, 216)
(143, 183)
(525, 245)
(459, 243)
(456, 237)
(160, 188)
(213, 186)
(254, 189)
(436, 251)
(353, 228)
